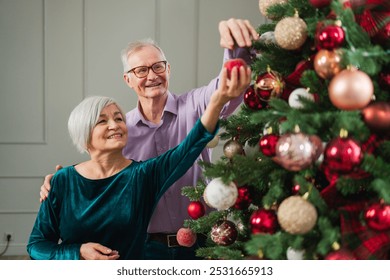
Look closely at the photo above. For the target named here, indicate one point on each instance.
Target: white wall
(55, 52)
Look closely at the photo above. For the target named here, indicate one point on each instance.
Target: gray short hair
(84, 117)
(136, 46)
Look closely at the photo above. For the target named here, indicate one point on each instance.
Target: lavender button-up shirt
(147, 140)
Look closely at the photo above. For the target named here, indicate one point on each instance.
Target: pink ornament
(295, 151)
(186, 237)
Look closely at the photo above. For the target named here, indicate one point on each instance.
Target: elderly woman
(100, 208)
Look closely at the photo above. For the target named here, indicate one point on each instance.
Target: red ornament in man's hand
(235, 62)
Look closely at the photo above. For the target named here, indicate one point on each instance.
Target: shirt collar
(170, 106)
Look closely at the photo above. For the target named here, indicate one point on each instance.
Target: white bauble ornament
(220, 196)
(214, 142)
(268, 38)
(250, 150)
(293, 254)
(293, 99)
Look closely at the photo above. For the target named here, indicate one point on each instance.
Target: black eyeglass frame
(149, 67)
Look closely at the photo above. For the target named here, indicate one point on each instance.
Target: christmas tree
(306, 166)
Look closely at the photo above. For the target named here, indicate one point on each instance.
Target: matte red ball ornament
(342, 155)
(196, 209)
(232, 63)
(252, 100)
(330, 37)
(224, 233)
(267, 144)
(263, 221)
(377, 216)
(244, 198)
(186, 237)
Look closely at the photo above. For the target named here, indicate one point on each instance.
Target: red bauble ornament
(269, 84)
(186, 237)
(377, 216)
(263, 221)
(342, 155)
(342, 254)
(320, 3)
(330, 37)
(377, 116)
(224, 233)
(252, 99)
(244, 198)
(267, 144)
(196, 209)
(295, 77)
(231, 63)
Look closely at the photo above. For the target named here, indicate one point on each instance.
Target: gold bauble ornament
(265, 4)
(296, 215)
(351, 89)
(291, 33)
(232, 148)
(327, 63)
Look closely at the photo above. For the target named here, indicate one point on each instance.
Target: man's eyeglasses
(142, 71)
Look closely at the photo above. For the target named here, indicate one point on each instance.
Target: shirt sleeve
(174, 163)
(44, 240)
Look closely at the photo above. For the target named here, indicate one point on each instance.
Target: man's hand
(236, 31)
(45, 188)
(96, 251)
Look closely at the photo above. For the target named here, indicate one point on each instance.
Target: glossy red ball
(196, 209)
(263, 221)
(244, 198)
(267, 144)
(377, 217)
(252, 100)
(330, 37)
(342, 155)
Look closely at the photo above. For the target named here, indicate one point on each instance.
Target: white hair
(136, 46)
(84, 117)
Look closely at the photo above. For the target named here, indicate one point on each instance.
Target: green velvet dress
(114, 211)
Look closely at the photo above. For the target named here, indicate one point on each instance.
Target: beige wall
(55, 52)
